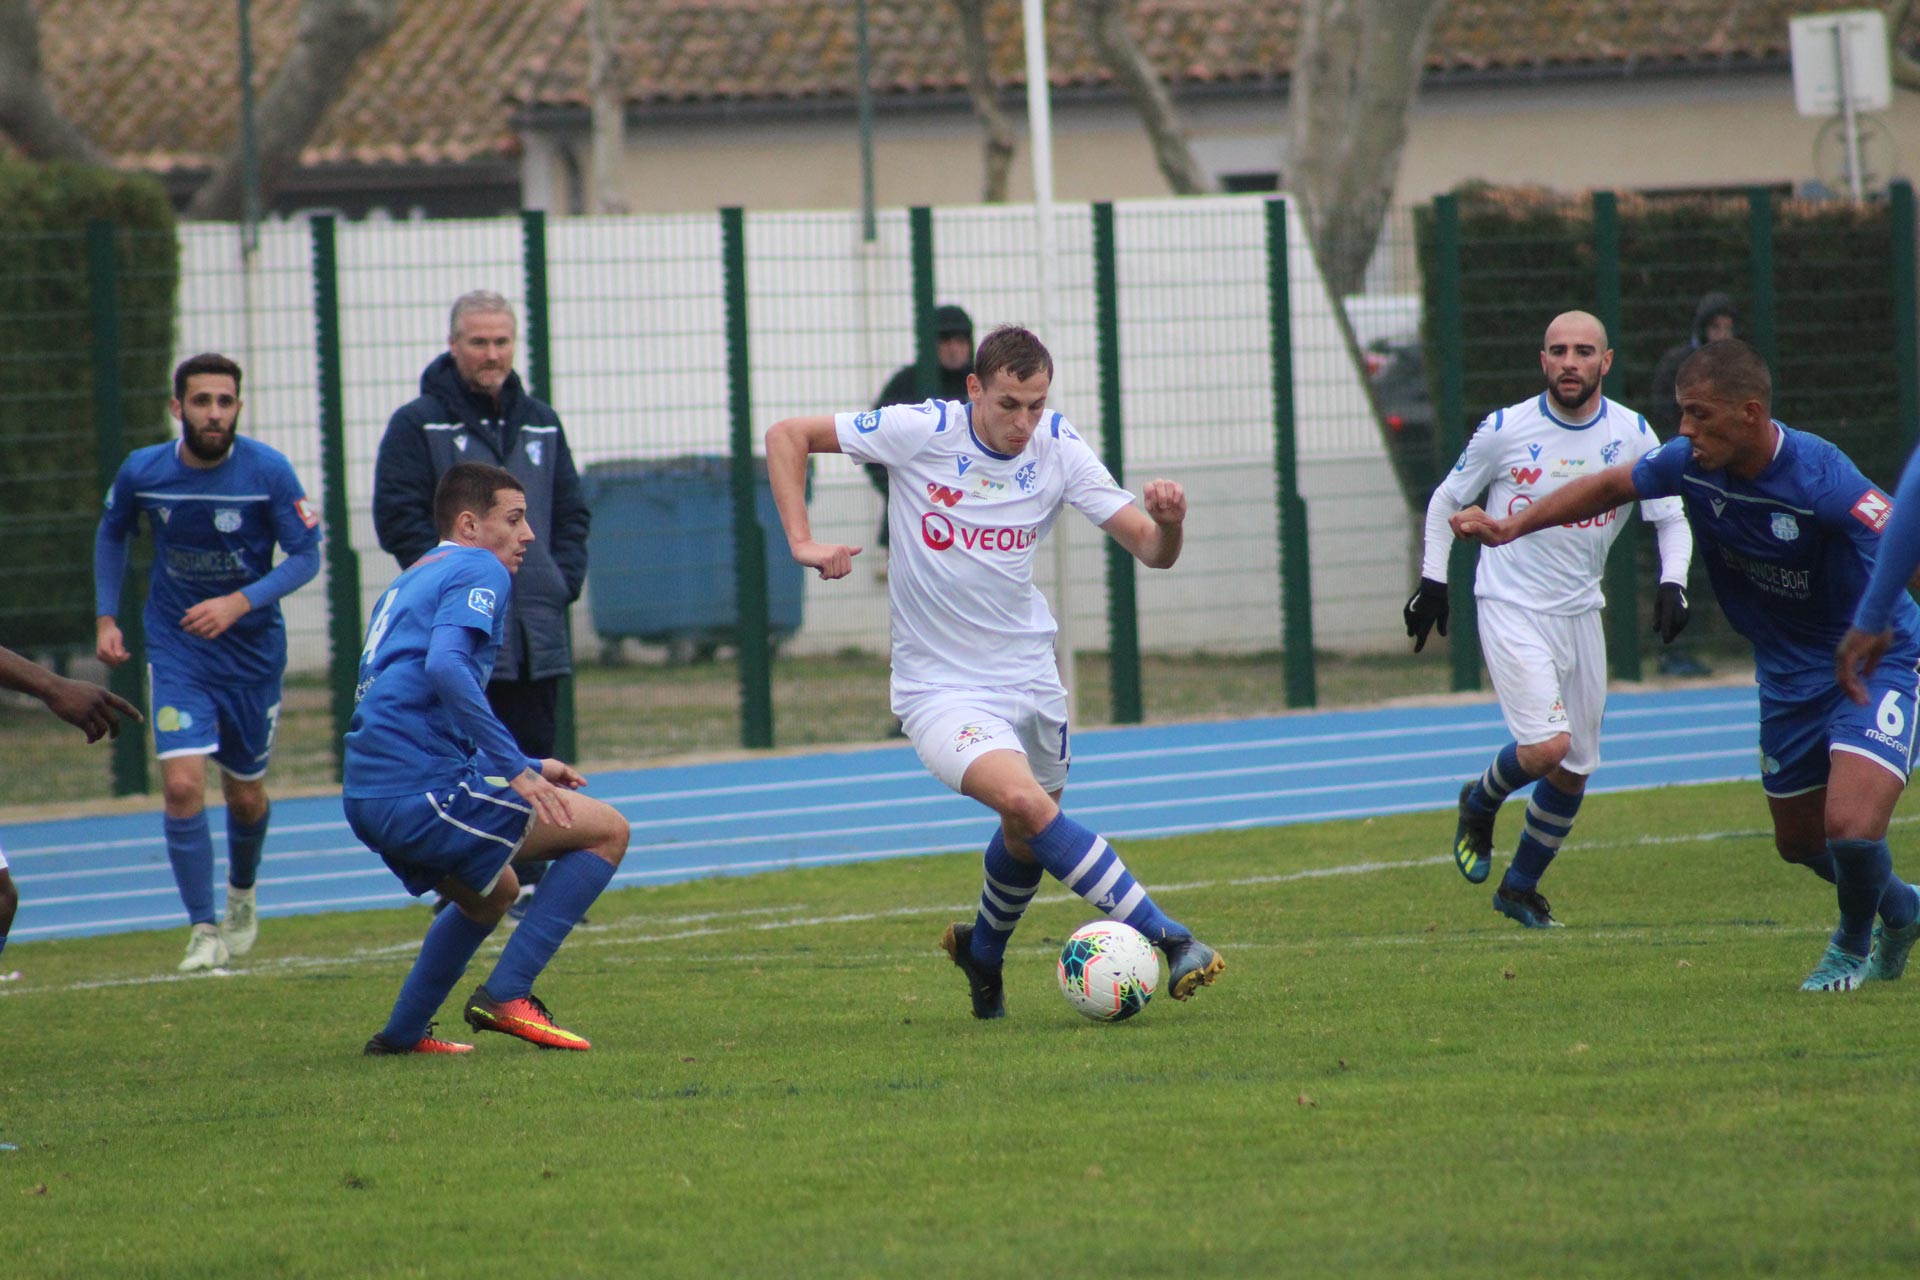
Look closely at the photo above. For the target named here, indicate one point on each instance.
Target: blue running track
(82, 876)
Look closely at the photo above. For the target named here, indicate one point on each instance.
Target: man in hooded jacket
(473, 408)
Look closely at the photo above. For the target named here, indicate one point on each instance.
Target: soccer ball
(1108, 971)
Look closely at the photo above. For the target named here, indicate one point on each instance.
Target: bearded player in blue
(215, 503)
(436, 786)
(1790, 531)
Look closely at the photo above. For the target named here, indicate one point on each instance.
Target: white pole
(1040, 133)
(1846, 109)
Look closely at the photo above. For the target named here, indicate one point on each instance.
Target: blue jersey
(403, 738)
(214, 531)
(1789, 553)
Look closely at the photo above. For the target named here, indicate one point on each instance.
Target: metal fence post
(926, 343)
(110, 446)
(1123, 620)
(1296, 582)
(1449, 349)
(1906, 298)
(344, 630)
(1623, 562)
(1760, 325)
(539, 383)
(749, 540)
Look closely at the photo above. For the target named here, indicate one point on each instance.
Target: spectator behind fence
(216, 503)
(474, 408)
(953, 335)
(1713, 319)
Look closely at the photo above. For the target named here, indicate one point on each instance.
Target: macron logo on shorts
(480, 600)
(1873, 510)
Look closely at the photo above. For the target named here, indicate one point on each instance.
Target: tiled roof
(152, 81)
(692, 51)
(155, 82)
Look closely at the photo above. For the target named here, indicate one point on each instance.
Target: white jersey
(963, 522)
(1524, 452)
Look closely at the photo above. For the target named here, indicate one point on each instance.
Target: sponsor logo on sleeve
(867, 423)
(480, 600)
(1873, 510)
(304, 509)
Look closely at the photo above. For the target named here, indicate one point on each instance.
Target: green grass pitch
(1390, 1080)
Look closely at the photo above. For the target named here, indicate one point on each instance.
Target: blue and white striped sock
(1502, 778)
(1549, 818)
(1087, 864)
(1005, 890)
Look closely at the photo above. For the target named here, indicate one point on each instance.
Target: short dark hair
(1013, 349)
(469, 486)
(1733, 368)
(207, 362)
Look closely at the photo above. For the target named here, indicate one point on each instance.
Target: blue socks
(1549, 818)
(1502, 778)
(451, 940)
(1899, 901)
(1087, 864)
(244, 841)
(190, 850)
(567, 889)
(1865, 867)
(1007, 888)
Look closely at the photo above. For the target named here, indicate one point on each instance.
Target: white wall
(640, 371)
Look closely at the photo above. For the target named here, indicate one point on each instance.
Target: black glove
(1670, 611)
(1426, 608)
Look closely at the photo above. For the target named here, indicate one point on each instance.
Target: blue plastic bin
(660, 555)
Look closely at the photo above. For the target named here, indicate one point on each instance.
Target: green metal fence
(1193, 339)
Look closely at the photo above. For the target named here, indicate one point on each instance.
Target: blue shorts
(197, 716)
(469, 831)
(1797, 737)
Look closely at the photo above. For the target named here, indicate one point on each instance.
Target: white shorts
(1550, 672)
(951, 728)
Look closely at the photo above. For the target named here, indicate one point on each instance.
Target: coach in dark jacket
(473, 408)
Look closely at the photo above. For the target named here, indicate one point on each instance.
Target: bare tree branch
(331, 37)
(1106, 21)
(1000, 135)
(1356, 69)
(1906, 68)
(27, 114)
(607, 88)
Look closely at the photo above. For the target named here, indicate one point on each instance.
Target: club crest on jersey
(944, 496)
(964, 463)
(868, 422)
(1785, 527)
(1609, 452)
(1024, 478)
(226, 520)
(533, 452)
(480, 600)
(1873, 510)
(1525, 475)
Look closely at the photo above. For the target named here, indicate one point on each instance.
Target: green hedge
(49, 478)
(1527, 254)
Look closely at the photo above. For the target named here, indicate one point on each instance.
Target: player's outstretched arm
(1583, 498)
(1859, 653)
(1153, 536)
(789, 442)
(94, 711)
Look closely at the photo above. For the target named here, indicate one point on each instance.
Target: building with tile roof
(478, 106)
